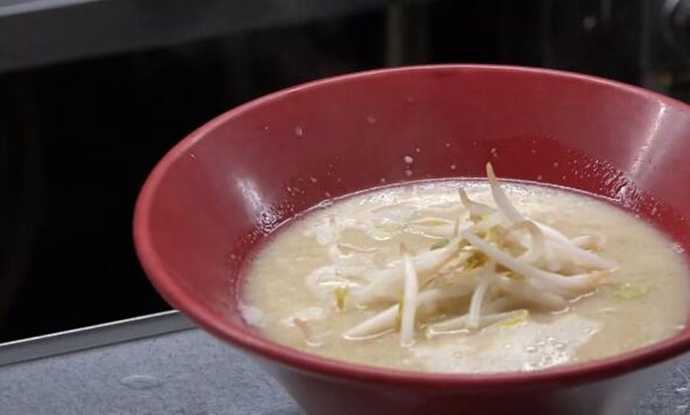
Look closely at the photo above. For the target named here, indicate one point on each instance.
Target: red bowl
(217, 194)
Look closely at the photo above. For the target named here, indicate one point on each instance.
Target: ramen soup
(467, 277)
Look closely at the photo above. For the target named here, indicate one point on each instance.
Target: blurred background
(94, 92)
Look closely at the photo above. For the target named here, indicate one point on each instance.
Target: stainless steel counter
(185, 372)
(42, 32)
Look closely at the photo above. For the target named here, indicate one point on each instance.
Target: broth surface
(645, 300)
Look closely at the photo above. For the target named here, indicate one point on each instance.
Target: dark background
(80, 127)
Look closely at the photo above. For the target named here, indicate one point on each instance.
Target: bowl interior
(217, 194)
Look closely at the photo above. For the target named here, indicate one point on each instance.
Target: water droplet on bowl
(408, 173)
(192, 155)
(447, 145)
(453, 166)
(299, 132)
(408, 159)
(313, 179)
(371, 119)
(382, 180)
(555, 164)
(418, 150)
(540, 177)
(141, 382)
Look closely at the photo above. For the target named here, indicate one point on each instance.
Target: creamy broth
(642, 301)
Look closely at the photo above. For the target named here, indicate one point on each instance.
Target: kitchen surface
(190, 372)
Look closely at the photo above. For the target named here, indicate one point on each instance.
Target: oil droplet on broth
(408, 173)
(371, 119)
(313, 179)
(299, 131)
(408, 159)
(453, 166)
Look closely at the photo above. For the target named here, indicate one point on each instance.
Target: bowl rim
(253, 342)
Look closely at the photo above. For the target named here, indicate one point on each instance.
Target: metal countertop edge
(33, 6)
(93, 336)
